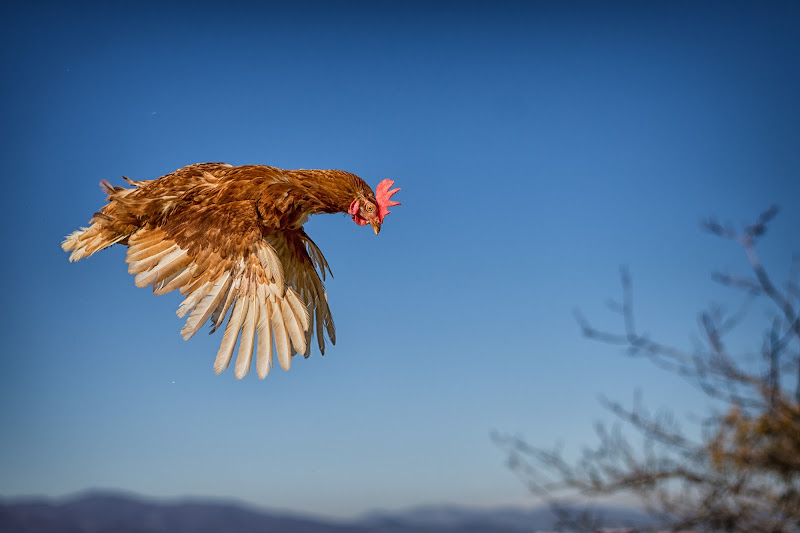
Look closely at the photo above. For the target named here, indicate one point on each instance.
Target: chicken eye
(369, 208)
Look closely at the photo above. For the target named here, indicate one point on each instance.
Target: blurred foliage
(769, 441)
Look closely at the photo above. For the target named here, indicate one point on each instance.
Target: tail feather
(86, 241)
(105, 229)
(107, 187)
(135, 183)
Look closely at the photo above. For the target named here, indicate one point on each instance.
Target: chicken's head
(372, 210)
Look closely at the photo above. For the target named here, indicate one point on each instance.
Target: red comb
(383, 195)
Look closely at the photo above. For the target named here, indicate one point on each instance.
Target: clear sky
(538, 147)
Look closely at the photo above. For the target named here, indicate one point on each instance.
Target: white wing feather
(273, 311)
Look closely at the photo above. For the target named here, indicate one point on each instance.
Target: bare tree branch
(743, 475)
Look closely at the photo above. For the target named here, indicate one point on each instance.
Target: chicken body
(231, 238)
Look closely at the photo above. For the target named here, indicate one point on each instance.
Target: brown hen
(232, 238)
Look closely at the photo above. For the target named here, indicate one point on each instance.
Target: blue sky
(538, 147)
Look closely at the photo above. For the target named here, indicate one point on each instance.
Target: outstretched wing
(307, 264)
(219, 258)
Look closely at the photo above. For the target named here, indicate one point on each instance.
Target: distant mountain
(107, 512)
(114, 512)
(448, 518)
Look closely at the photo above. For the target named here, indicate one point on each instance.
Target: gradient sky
(538, 147)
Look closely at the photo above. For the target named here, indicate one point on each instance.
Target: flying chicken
(232, 238)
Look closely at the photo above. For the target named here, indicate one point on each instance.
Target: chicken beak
(376, 226)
